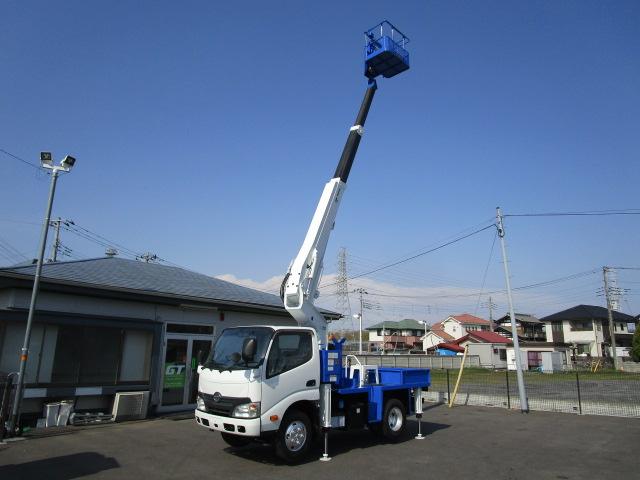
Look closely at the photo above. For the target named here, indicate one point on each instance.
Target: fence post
(508, 393)
(395, 360)
(448, 387)
(579, 397)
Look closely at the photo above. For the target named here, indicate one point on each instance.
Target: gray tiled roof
(151, 279)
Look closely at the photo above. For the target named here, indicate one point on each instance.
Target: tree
(635, 344)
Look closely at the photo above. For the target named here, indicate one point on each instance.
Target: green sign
(174, 375)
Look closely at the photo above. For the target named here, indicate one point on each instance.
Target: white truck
(288, 385)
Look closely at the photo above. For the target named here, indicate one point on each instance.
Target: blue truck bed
(402, 379)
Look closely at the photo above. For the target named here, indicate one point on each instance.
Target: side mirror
(249, 347)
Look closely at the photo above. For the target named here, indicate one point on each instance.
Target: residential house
(403, 335)
(490, 347)
(585, 328)
(529, 327)
(452, 328)
(533, 355)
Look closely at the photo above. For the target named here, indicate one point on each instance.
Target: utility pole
(56, 245)
(56, 242)
(524, 402)
(490, 305)
(361, 292)
(612, 333)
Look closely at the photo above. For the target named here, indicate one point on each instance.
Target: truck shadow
(64, 467)
(339, 444)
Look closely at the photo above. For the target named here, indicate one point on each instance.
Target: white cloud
(392, 302)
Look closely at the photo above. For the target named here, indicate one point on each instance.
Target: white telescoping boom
(300, 285)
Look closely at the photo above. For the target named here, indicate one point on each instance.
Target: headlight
(247, 410)
(200, 404)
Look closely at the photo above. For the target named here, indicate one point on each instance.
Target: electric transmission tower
(342, 287)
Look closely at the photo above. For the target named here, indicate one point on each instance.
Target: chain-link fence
(606, 392)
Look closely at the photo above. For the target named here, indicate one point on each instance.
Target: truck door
(292, 373)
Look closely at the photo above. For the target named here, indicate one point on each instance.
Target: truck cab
(254, 376)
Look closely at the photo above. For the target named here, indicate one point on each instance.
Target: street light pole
(65, 166)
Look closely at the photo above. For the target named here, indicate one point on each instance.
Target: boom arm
(300, 285)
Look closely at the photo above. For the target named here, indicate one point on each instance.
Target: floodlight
(68, 162)
(46, 159)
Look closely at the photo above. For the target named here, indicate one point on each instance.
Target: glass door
(180, 374)
(175, 371)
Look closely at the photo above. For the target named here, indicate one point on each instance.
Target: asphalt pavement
(464, 442)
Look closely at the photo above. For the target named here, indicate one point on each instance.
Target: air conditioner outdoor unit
(130, 406)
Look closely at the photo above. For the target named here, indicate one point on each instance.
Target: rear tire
(235, 441)
(394, 420)
(294, 437)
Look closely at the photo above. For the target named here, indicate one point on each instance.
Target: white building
(453, 328)
(585, 328)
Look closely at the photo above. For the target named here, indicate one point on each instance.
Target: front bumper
(247, 427)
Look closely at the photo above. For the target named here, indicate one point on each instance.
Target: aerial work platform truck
(289, 385)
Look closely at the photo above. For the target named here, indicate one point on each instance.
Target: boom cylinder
(355, 134)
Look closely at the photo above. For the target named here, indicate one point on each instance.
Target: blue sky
(205, 131)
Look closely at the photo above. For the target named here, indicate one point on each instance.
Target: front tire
(235, 441)
(293, 439)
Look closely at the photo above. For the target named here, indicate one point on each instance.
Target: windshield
(230, 342)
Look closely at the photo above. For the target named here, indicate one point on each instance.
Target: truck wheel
(394, 420)
(235, 440)
(294, 437)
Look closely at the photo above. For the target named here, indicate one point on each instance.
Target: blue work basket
(384, 51)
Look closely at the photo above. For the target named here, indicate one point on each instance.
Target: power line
(484, 277)
(413, 257)
(15, 157)
(628, 211)
(523, 287)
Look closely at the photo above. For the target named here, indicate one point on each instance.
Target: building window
(581, 325)
(556, 327)
(186, 328)
(503, 354)
(583, 348)
(79, 355)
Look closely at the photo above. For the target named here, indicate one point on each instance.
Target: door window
(289, 350)
(199, 352)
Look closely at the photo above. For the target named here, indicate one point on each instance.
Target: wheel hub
(395, 419)
(295, 436)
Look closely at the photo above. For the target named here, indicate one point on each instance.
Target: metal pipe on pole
(612, 332)
(65, 166)
(524, 402)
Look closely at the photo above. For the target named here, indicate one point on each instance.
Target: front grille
(224, 406)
